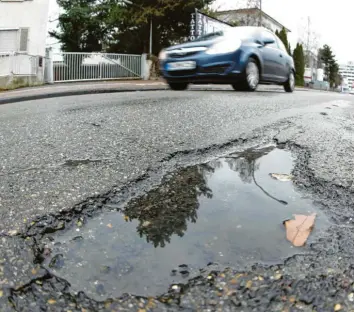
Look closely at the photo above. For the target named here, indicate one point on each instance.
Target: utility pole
(260, 13)
(150, 47)
(308, 41)
(308, 52)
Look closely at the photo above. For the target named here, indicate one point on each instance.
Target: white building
(23, 26)
(347, 72)
(250, 17)
(23, 33)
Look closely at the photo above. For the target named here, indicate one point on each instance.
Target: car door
(271, 57)
(284, 68)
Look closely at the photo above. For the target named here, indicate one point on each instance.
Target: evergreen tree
(86, 25)
(331, 67)
(299, 61)
(283, 36)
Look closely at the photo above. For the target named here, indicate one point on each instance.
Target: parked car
(242, 56)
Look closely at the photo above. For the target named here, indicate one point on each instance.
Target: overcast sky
(332, 20)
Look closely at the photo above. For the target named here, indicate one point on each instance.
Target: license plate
(181, 65)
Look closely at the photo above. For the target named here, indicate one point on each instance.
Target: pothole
(229, 211)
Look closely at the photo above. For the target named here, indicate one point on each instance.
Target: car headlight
(162, 55)
(225, 46)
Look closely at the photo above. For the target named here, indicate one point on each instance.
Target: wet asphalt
(67, 163)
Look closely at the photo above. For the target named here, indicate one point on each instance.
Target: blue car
(241, 56)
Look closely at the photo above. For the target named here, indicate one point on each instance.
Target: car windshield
(210, 36)
(235, 32)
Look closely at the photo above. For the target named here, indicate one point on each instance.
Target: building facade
(23, 26)
(347, 73)
(250, 17)
(23, 33)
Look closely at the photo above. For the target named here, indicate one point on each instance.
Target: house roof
(252, 11)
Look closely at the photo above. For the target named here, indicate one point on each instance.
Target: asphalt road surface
(68, 164)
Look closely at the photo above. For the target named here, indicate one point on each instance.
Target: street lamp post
(150, 41)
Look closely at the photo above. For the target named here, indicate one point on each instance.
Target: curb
(23, 98)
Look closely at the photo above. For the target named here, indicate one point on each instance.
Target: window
(14, 40)
(281, 45)
(23, 40)
(8, 40)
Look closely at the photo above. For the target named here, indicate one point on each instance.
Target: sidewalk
(81, 88)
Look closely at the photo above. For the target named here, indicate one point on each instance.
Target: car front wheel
(178, 86)
(289, 85)
(251, 75)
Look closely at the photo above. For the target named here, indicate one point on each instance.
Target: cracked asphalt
(67, 159)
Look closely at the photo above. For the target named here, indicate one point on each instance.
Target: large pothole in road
(229, 211)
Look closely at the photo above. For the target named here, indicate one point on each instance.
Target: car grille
(218, 69)
(180, 73)
(176, 55)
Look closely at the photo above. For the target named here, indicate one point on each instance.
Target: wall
(249, 19)
(20, 70)
(32, 14)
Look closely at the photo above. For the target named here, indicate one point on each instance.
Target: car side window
(281, 45)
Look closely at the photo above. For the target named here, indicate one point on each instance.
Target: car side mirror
(268, 41)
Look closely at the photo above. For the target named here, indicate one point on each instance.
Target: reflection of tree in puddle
(245, 163)
(166, 210)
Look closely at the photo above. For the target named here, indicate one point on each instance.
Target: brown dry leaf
(109, 225)
(298, 230)
(52, 301)
(1, 293)
(126, 218)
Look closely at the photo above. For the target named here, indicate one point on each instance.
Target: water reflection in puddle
(228, 211)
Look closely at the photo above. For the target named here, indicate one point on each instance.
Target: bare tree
(310, 41)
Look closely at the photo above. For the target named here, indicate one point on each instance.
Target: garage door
(8, 40)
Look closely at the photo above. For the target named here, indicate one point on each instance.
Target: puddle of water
(228, 211)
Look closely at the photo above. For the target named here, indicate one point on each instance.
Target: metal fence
(19, 64)
(95, 66)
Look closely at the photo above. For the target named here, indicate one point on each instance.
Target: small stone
(337, 307)
(105, 269)
(175, 287)
(213, 302)
(100, 289)
(351, 297)
(109, 225)
(12, 232)
(57, 262)
(278, 276)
